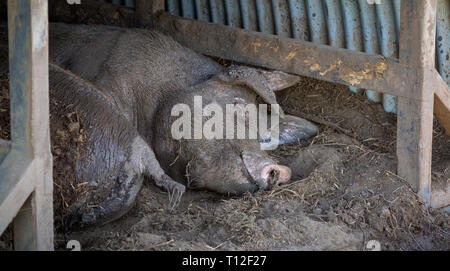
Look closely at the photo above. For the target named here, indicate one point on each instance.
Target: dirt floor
(345, 190)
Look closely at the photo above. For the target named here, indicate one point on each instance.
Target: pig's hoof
(175, 190)
(175, 193)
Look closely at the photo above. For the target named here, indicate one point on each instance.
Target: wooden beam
(5, 147)
(415, 117)
(440, 196)
(293, 56)
(145, 10)
(158, 6)
(15, 186)
(441, 101)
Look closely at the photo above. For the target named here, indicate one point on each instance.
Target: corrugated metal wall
(351, 24)
(127, 3)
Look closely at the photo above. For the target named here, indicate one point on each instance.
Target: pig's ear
(280, 80)
(263, 83)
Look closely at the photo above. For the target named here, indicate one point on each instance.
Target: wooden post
(157, 5)
(415, 117)
(30, 136)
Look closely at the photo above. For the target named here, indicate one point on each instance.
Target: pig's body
(124, 83)
(131, 73)
(134, 69)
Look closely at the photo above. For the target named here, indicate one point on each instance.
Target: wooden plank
(158, 6)
(415, 118)
(15, 186)
(440, 197)
(33, 224)
(5, 147)
(28, 166)
(144, 12)
(293, 56)
(442, 101)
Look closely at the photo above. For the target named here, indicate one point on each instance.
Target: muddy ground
(345, 191)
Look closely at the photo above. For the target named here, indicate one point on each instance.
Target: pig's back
(131, 66)
(140, 55)
(80, 48)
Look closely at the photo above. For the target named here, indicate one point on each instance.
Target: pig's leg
(114, 197)
(144, 158)
(118, 157)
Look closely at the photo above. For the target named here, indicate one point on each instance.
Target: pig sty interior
(124, 84)
(344, 191)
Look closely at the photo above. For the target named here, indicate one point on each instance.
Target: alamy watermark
(230, 122)
(74, 2)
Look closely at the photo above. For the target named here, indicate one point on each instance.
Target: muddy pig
(124, 83)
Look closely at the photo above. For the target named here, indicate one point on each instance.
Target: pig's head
(215, 161)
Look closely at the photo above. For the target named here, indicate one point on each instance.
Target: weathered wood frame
(412, 78)
(26, 185)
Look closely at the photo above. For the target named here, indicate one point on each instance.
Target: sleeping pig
(125, 84)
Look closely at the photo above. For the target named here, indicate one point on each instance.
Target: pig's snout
(275, 175)
(264, 171)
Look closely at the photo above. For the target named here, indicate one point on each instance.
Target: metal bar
(317, 22)
(298, 57)
(202, 10)
(248, 11)
(129, 3)
(353, 30)
(282, 24)
(388, 43)
(370, 38)
(217, 12)
(443, 39)
(187, 9)
(173, 6)
(335, 25)
(233, 15)
(397, 4)
(265, 16)
(415, 118)
(299, 19)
